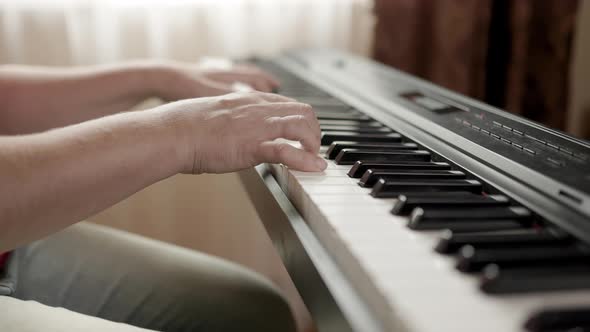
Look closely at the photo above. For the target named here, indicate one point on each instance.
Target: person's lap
(101, 272)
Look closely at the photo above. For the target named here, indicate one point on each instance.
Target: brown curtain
(512, 54)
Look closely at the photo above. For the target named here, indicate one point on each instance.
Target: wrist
(150, 78)
(159, 78)
(166, 81)
(172, 127)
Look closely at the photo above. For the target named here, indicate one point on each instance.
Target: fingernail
(321, 163)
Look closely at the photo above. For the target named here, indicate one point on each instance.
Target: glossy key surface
(338, 146)
(360, 167)
(450, 242)
(404, 204)
(351, 156)
(329, 137)
(371, 177)
(392, 189)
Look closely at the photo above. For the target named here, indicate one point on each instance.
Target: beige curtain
(87, 31)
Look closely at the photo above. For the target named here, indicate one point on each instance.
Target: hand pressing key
(236, 131)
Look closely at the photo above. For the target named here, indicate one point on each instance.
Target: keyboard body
(359, 267)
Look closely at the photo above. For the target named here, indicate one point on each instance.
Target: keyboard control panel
(546, 151)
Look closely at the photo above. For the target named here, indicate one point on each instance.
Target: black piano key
(485, 225)
(356, 129)
(392, 189)
(573, 319)
(371, 176)
(404, 204)
(351, 156)
(451, 242)
(499, 280)
(436, 217)
(471, 259)
(361, 166)
(337, 146)
(335, 111)
(348, 117)
(329, 137)
(322, 106)
(360, 124)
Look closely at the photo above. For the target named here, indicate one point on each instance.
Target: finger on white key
(297, 159)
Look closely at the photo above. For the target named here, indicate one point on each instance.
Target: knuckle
(237, 99)
(224, 116)
(246, 108)
(273, 120)
(306, 109)
(255, 95)
(302, 122)
(295, 123)
(229, 101)
(247, 95)
(299, 119)
(281, 151)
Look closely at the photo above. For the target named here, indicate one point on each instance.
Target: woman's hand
(240, 130)
(178, 80)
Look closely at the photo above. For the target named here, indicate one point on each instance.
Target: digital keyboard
(436, 212)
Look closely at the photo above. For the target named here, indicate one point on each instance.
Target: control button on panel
(494, 136)
(553, 146)
(529, 150)
(485, 131)
(555, 161)
(566, 151)
(516, 145)
(507, 141)
(535, 139)
(518, 132)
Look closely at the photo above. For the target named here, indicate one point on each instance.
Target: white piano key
(328, 172)
(335, 189)
(326, 180)
(332, 165)
(351, 210)
(350, 200)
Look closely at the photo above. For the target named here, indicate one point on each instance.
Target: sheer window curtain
(86, 31)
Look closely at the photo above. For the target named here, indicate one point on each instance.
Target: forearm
(34, 99)
(53, 179)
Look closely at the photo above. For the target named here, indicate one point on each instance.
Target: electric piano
(436, 213)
